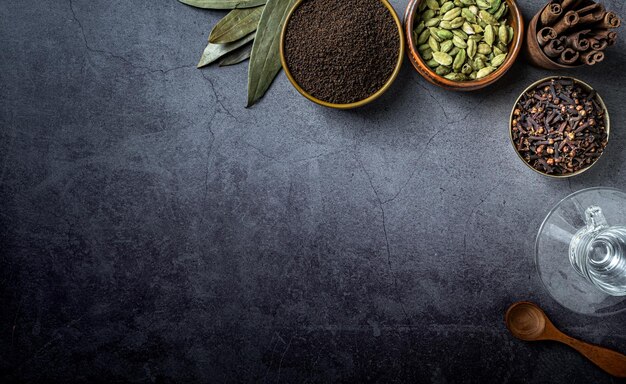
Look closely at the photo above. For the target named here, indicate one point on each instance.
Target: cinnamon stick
(551, 13)
(569, 56)
(610, 20)
(591, 14)
(569, 4)
(609, 36)
(569, 20)
(554, 48)
(598, 45)
(592, 57)
(577, 41)
(545, 35)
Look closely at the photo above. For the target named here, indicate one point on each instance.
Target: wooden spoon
(528, 322)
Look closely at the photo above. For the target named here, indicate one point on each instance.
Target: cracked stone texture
(155, 230)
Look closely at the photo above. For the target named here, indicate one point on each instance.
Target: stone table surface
(155, 230)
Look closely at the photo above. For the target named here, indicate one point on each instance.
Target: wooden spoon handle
(611, 362)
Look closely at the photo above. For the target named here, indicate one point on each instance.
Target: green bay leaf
(237, 24)
(213, 52)
(223, 4)
(265, 56)
(237, 56)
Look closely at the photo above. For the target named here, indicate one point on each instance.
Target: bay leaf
(223, 4)
(265, 57)
(213, 52)
(235, 25)
(237, 56)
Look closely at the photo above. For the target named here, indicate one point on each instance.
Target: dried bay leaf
(237, 56)
(213, 52)
(265, 56)
(237, 24)
(223, 4)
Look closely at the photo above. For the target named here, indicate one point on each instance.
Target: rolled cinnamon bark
(603, 34)
(569, 56)
(591, 14)
(569, 20)
(577, 41)
(551, 13)
(566, 5)
(545, 35)
(554, 48)
(610, 20)
(598, 45)
(592, 57)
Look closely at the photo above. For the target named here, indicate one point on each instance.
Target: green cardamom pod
(442, 70)
(459, 42)
(489, 35)
(498, 60)
(420, 27)
(432, 22)
(467, 28)
(459, 60)
(432, 63)
(427, 54)
(432, 4)
(455, 76)
(473, 9)
(496, 51)
(434, 44)
(478, 64)
(484, 72)
(446, 24)
(487, 17)
(503, 34)
(444, 34)
(503, 47)
(457, 23)
(460, 33)
(478, 28)
(423, 47)
(471, 48)
(454, 51)
(467, 69)
(476, 38)
(511, 33)
(442, 58)
(451, 14)
(423, 37)
(483, 4)
(483, 48)
(446, 46)
(447, 6)
(427, 15)
(433, 33)
(468, 15)
(501, 11)
(495, 4)
(468, 2)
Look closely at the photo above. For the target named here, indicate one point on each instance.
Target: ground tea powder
(341, 51)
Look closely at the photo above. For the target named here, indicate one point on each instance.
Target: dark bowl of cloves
(559, 126)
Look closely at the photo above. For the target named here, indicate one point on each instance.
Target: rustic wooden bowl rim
(430, 75)
(355, 104)
(588, 88)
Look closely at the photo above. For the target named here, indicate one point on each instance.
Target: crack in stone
(217, 99)
(445, 114)
(115, 56)
(387, 246)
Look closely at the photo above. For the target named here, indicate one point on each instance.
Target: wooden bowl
(533, 51)
(584, 86)
(356, 104)
(517, 22)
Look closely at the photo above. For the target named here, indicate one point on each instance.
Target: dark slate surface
(155, 230)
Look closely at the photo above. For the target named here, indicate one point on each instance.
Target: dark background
(155, 230)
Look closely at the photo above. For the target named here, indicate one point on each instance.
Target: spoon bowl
(526, 321)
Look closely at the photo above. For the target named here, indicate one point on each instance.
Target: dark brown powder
(341, 51)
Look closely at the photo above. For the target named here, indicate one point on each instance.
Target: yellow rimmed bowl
(587, 88)
(355, 104)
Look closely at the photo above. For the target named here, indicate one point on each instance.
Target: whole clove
(558, 127)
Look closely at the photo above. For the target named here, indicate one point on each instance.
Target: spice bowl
(392, 70)
(515, 20)
(585, 143)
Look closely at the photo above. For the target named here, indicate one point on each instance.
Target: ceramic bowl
(517, 22)
(356, 104)
(584, 86)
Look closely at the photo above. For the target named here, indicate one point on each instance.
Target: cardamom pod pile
(463, 40)
(250, 30)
